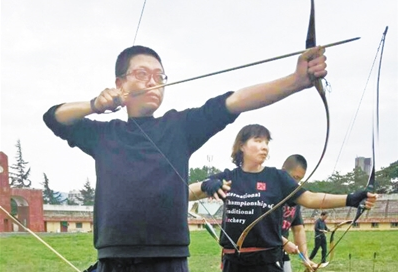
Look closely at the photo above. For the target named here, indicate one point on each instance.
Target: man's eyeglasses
(145, 75)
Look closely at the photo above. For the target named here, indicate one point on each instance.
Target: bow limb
(310, 42)
(331, 242)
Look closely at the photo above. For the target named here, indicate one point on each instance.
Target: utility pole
(209, 160)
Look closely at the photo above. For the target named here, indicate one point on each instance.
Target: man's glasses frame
(146, 74)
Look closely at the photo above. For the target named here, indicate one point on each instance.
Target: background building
(364, 163)
(73, 197)
(68, 218)
(77, 218)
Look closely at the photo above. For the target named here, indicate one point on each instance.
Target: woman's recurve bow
(371, 184)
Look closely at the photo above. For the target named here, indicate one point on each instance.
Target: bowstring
(182, 179)
(139, 22)
(169, 162)
(375, 132)
(34, 234)
(351, 125)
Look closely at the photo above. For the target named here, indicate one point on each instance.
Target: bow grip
(362, 207)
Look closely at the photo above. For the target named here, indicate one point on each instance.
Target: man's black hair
(123, 60)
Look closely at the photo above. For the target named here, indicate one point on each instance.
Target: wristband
(211, 186)
(92, 106)
(286, 243)
(355, 199)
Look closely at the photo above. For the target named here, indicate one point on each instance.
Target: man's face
(297, 173)
(142, 66)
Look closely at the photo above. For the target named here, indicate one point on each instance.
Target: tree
(197, 174)
(49, 196)
(360, 178)
(394, 187)
(340, 184)
(387, 179)
(19, 178)
(88, 194)
(71, 202)
(335, 184)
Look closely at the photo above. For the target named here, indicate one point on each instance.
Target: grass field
(369, 251)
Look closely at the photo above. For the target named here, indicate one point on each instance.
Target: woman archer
(254, 189)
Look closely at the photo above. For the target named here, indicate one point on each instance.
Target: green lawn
(22, 252)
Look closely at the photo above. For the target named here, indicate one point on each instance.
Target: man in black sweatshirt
(141, 200)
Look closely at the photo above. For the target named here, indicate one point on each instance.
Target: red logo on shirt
(261, 186)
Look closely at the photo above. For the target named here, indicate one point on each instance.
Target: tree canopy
(199, 174)
(386, 181)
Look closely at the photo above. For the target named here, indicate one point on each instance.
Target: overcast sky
(64, 51)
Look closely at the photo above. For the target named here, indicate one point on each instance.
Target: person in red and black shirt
(296, 166)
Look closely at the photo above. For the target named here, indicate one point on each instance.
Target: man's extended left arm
(310, 66)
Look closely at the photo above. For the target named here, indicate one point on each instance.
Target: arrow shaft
(239, 67)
